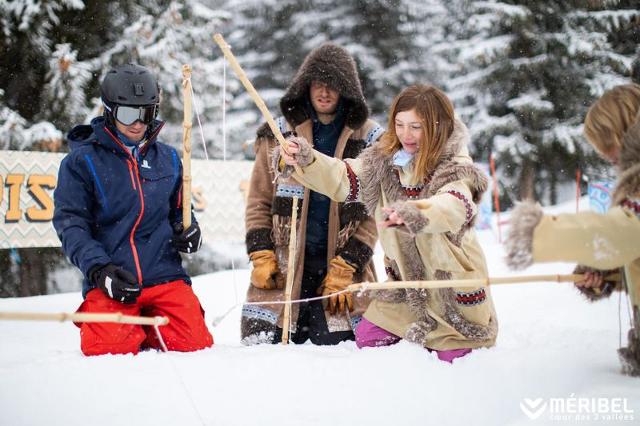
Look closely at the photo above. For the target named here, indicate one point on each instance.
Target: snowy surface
(552, 344)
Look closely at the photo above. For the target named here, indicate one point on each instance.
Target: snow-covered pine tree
(271, 38)
(262, 37)
(26, 46)
(164, 39)
(53, 54)
(529, 70)
(379, 34)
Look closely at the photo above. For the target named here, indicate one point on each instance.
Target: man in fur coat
(602, 244)
(324, 104)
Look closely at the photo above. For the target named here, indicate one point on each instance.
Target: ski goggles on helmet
(128, 115)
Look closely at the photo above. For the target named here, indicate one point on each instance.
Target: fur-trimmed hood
(628, 184)
(332, 65)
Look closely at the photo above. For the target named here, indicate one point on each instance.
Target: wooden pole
(253, 93)
(283, 143)
(82, 317)
(478, 282)
(186, 146)
(291, 270)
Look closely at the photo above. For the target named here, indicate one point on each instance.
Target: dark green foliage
(557, 58)
(522, 73)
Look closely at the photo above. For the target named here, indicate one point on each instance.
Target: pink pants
(368, 334)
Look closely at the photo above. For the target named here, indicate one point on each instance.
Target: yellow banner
(27, 181)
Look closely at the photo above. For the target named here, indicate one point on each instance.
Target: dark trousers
(312, 323)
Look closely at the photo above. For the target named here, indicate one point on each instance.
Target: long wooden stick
(186, 146)
(477, 282)
(252, 92)
(291, 270)
(283, 143)
(82, 317)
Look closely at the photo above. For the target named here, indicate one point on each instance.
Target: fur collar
(377, 175)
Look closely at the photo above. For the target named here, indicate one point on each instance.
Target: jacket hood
(332, 65)
(80, 135)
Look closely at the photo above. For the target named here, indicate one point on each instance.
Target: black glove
(188, 241)
(117, 283)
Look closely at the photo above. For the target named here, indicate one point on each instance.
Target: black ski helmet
(129, 84)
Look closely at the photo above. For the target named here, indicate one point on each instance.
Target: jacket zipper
(133, 162)
(133, 183)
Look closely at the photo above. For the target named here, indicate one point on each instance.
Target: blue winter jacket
(110, 208)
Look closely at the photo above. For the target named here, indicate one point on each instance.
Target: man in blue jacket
(118, 214)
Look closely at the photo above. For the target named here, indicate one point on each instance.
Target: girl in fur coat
(422, 186)
(601, 244)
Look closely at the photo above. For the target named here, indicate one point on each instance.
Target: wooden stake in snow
(186, 146)
(81, 317)
(252, 92)
(283, 143)
(291, 270)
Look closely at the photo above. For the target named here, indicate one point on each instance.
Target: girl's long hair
(611, 116)
(435, 111)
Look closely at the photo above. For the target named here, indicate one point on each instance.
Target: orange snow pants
(176, 300)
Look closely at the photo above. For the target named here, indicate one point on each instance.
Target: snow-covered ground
(555, 358)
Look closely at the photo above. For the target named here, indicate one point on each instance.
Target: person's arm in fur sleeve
(258, 218)
(598, 241)
(327, 175)
(447, 211)
(597, 284)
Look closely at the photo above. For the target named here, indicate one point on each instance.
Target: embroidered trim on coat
(374, 134)
(256, 312)
(354, 185)
(467, 204)
(289, 191)
(473, 298)
(413, 192)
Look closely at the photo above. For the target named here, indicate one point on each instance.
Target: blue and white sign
(600, 195)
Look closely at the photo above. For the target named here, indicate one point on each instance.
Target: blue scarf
(402, 158)
(134, 147)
